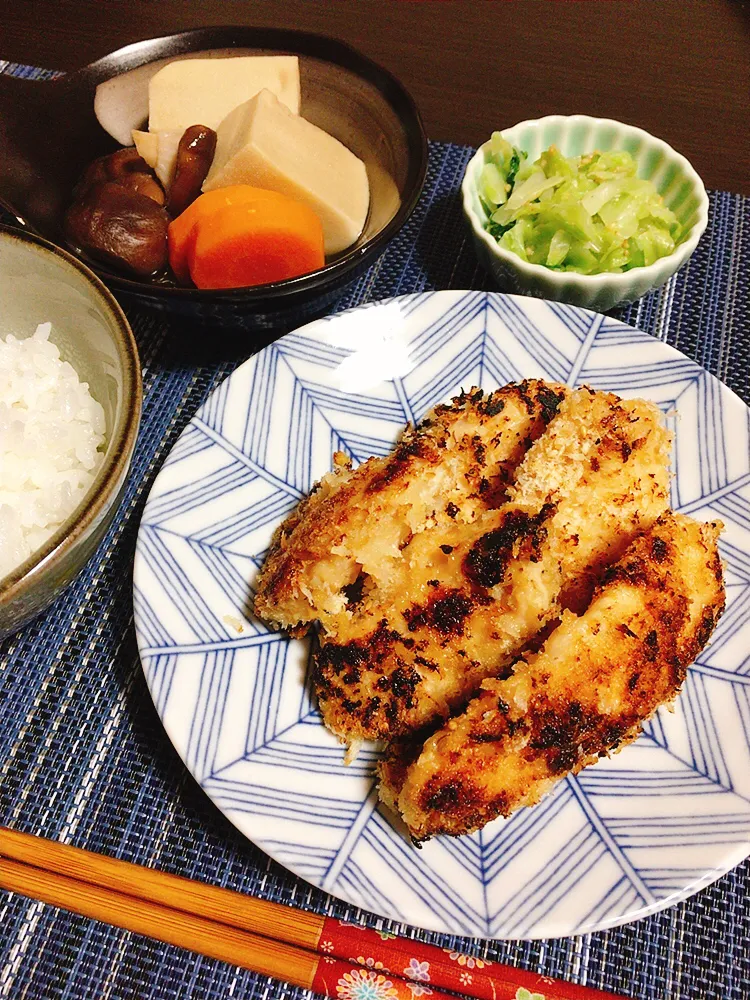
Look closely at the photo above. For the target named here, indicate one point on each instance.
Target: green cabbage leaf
(589, 213)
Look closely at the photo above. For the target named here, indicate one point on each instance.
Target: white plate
(627, 837)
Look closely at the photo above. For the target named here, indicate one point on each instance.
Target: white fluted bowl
(674, 178)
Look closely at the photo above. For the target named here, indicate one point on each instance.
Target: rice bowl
(39, 285)
(51, 435)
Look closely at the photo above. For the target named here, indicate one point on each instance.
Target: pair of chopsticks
(318, 953)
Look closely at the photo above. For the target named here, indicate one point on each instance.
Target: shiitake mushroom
(195, 155)
(125, 166)
(120, 226)
(118, 214)
(144, 184)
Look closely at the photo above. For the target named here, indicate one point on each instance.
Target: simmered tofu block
(203, 91)
(263, 144)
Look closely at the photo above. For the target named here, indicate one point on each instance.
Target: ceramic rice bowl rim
(120, 441)
(652, 273)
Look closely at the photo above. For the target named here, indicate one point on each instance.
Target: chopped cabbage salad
(589, 213)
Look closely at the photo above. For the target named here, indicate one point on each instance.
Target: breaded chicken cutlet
(586, 693)
(431, 570)
(356, 523)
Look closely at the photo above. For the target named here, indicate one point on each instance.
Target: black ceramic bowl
(49, 132)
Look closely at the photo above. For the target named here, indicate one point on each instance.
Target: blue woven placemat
(84, 759)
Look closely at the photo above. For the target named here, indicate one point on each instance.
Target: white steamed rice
(51, 430)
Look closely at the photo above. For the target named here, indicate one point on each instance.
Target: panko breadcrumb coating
(586, 693)
(356, 522)
(431, 569)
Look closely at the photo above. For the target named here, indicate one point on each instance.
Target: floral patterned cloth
(362, 964)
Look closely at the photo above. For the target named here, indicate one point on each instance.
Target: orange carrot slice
(242, 235)
(183, 230)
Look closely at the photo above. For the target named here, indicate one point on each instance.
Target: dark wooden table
(678, 68)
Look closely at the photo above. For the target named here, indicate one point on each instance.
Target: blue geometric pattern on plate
(637, 832)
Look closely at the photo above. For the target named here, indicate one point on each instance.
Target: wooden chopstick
(191, 931)
(302, 948)
(263, 955)
(259, 916)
